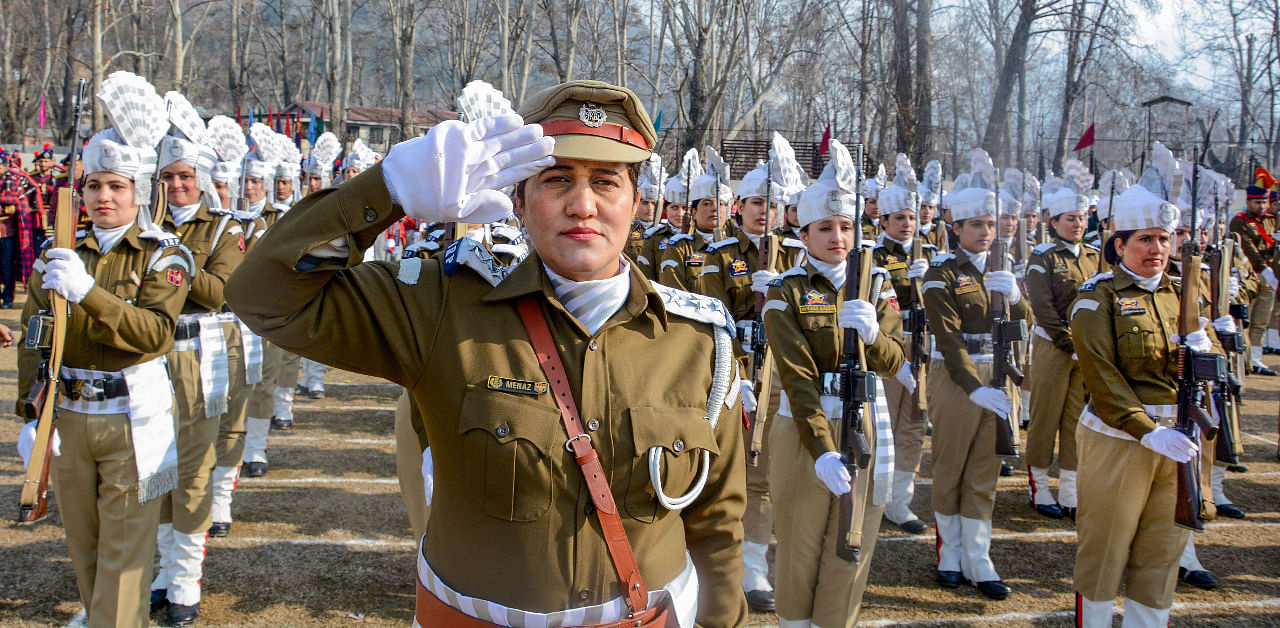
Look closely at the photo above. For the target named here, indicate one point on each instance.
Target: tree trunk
(99, 66)
(994, 138)
(904, 104)
(924, 82)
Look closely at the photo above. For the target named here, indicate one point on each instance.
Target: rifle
(857, 393)
(916, 324)
(1226, 392)
(47, 332)
(761, 354)
(1194, 368)
(1103, 266)
(1004, 333)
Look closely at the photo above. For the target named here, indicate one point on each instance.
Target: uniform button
(813, 325)
(593, 346)
(593, 424)
(590, 509)
(584, 594)
(503, 431)
(678, 445)
(1135, 328)
(370, 215)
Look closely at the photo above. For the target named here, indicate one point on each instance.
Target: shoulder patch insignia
(666, 242)
(965, 284)
(695, 306)
(1041, 249)
(738, 267)
(1092, 282)
(637, 235)
(173, 276)
(776, 281)
(892, 301)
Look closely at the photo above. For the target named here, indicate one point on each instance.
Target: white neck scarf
(979, 260)
(905, 244)
(593, 302)
(1148, 283)
(754, 237)
(709, 237)
(107, 238)
(182, 214)
(1074, 247)
(834, 272)
(926, 228)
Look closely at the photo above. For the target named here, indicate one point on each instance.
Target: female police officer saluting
(1123, 328)
(650, 368)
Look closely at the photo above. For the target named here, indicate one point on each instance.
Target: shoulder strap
(624, 560)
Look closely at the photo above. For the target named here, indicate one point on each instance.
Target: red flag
(239, 120)
(826, 141)
(1086, 140)
(41, 117)
(271, 116)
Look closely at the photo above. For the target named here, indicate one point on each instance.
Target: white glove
(27, 442)
(860, 316)
(1270, 276)
(1233, 290)
(1004, 282)
(457, 170)
(1197, 340)
(748, 394)
(831, 471)
(65, 274)
(428, 475)
(993, 399)
(1020, 269)
(1170, 443)
(905, 377)
(1225, 324)
(917, 268)
(760, 280)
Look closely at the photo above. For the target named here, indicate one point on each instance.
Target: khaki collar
(132, 236)
(529, 278)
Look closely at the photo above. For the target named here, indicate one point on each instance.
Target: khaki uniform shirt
(682, 259)
(214, 261)
(894, 258)
(791, 251)
(1053, 279)
(512, 521)
(800, 322)
(635, 239)
(957, 302)
(1255, 247)
(870, 228)
(129, 315)
(1123, 336)
(656, 238)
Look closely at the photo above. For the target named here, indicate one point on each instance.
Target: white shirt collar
(107, 238)
(1148, 283)
(592, 302)
(183, 214)
(834, 272)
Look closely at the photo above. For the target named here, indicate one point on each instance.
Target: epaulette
(696, 307)
(1041, 249)
(792, 272)
(502, 229)
(648, 233)
(80, 233)
(793, 243)
(469, 253)
(181, 258)
(877, 270)
(681, 236)
(714, 246)
(1088, 285)
(941, 259)
(421, 245)
(1092, 246)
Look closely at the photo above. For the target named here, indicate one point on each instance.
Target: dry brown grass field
(323, 539)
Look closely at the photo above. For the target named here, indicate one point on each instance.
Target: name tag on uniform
(965, 284)
(738, 267)
(1130, 306)
(816, 303)
(893, 264)
(517, 386)
(695, 259)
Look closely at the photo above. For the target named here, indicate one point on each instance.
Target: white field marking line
(279, 439)
(311, 408)
(249, 541)
(1019, 480)
(1178, 607)
(1049, 534)
(1259, 438)
(252, 482)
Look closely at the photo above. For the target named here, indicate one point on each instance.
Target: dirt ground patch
(323, 539)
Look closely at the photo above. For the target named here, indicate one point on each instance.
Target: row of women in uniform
(163, 394)
(1122, 499)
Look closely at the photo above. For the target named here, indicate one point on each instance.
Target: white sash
(252, 354)
(155, 443)
(215, 376)
(882, 468)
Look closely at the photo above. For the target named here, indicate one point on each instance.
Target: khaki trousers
(811, 582)
(965, 466)
(110, 536)
(1260, 313)
(1057, 398)
(290, 370)
(262, 401)
(190, 506)
(230, 445)
(757, 521)
(908, 435)
(409, 466)
(1125, 522)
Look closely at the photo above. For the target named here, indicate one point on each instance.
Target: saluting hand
(65, 274)
(456, 172)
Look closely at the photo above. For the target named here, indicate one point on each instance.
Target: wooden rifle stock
(1189, 507)
(762, 355)
(917, 353)
(1004, 333)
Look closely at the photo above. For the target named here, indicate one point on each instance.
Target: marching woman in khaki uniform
(682, 260)
(198, 364)
(649, 214)
(965, 406)
(244, 348)
(645, 388)
(1055, 271)
(1123, 329)
(899, 204)
(127, 282)
(816, 588)
(658, 237)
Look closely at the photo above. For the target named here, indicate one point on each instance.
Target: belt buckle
(84, 390)
(568, 445)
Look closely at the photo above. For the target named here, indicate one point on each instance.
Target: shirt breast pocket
(1135, 342)
(510, 440)
(679, 434)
